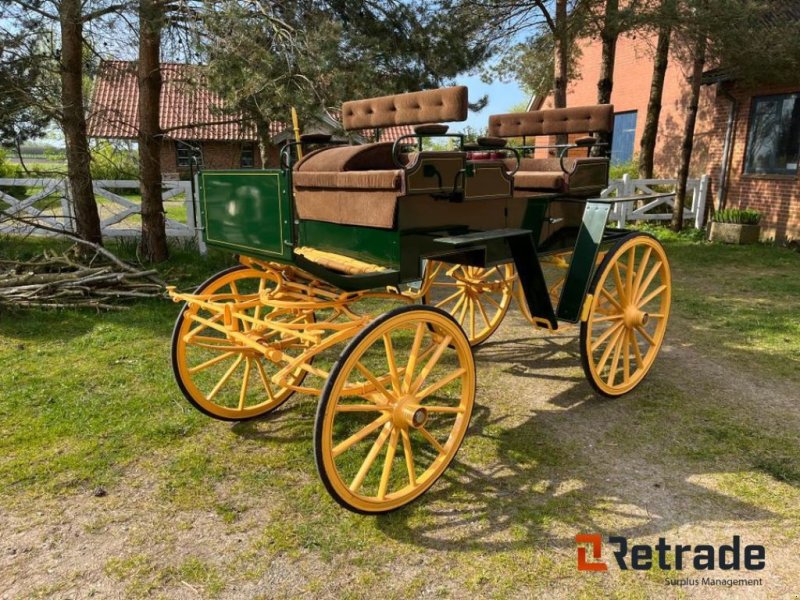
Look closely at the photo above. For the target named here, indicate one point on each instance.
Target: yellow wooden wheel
(477, 298)
(395, 409)
(628, 315)
(223, 378)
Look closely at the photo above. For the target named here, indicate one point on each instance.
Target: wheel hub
(635, 317)
(408, 414)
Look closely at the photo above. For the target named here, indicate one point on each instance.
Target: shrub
(112, 162)
(740, 216)
(631, 168)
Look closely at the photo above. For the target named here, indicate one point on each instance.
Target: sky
(502, 96)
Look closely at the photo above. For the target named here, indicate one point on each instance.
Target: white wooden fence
(49, 204)
(693, 211)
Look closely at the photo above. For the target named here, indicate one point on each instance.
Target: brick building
(197, 130)
(747, 139)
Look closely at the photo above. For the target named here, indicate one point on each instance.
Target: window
(248, 160)
(189, 154)
(773, 144)
(623, 137)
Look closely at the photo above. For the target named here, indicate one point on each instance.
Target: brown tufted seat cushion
(415, 108)
(351, 185)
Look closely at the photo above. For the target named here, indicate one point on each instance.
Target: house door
(623, 136)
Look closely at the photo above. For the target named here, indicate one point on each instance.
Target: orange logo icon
(596, 541)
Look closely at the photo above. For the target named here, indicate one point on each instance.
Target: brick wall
(216, 155)
(777, 197)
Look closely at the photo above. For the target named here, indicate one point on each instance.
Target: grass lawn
(113, 486)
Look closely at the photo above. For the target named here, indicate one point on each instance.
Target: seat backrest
(577, 119)
(429, 106)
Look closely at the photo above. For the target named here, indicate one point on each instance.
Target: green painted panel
(370, 244)
(247, 211)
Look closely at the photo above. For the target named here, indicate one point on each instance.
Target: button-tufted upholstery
(576, 119)
(429, 106)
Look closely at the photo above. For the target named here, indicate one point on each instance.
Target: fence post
(699, 204)
(624, 206)
(66, 207)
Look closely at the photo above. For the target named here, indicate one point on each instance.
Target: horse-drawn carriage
(368, 272)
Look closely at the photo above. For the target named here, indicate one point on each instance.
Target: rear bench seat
(360, 185)
(578, 175)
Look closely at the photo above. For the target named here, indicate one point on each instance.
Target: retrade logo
(667, 557)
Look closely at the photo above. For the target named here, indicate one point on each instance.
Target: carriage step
(337, 262)
(481, 236)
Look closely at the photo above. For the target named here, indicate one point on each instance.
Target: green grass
(88, 401)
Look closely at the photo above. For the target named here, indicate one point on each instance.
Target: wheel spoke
(440, 384)
(626, 358)
(412, 358)
(463, 313)
(612, 372)
(391, 361)
(611, 299)
(387, 464)
(426, 370)
(620, 286)
(605, 335)
(211, 363)
(245, 383)
(225, 377)
(647, 281)
(360, 435)
(651, 296)
(264, 379)
(494, 302)
(608, 350)
(614, 317)
(412, 476)
(449, 298)
(645, 335)
(629, 271)
(358, 480)
(636, 351)
(483, 313)
(432, 440)
(642, 268)
(471, 318)
(374, 381)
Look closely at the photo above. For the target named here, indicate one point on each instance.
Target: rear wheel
(394, 409)
(219, 376)
(477, 298)
(631, 295)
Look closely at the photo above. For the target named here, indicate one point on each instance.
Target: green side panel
(247, 211)
(590, 236)
(370, 244)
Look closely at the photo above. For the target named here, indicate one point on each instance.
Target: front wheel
(403, 389)
(631, 295)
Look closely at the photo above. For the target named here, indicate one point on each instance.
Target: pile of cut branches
(75, 279)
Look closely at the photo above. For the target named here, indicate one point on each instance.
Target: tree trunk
(154, 236)
(688, 131)
(561, 61)
(264, 142)
(605, 83)
(647, 145)
(73, 122)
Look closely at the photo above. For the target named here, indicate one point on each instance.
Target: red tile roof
(189, 110)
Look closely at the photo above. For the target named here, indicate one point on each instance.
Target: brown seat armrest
(431, 129)
(583, 142)
(492, 142)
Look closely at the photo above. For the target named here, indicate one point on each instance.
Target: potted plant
(736, 226)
